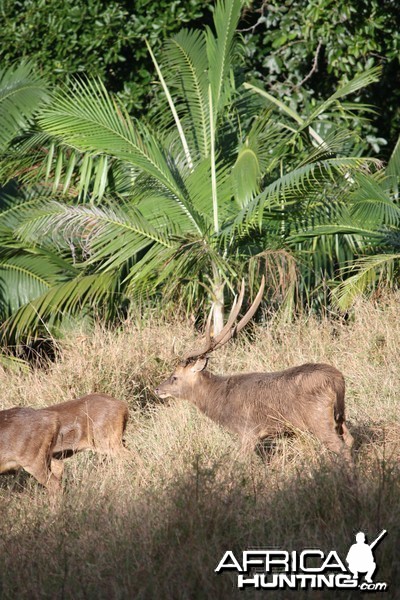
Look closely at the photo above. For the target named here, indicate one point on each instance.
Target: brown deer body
(27, 440)
(96, 422)
(264, 405)
(256, 406)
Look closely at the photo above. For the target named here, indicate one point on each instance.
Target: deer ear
(199, 365)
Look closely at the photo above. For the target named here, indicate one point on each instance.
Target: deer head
(187, 374)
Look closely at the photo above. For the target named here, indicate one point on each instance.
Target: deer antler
(230, 329)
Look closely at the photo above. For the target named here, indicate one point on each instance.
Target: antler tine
(257, 300)
(208, 343)
(223, 334)
(229, 330)
(246, 318)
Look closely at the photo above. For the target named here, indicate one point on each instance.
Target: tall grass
(155, 526)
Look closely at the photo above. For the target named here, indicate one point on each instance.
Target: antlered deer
(96, 422)
(27, 439)
(256, 406)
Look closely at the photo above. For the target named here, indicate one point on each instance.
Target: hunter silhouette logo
(360, 558)
(308, 569)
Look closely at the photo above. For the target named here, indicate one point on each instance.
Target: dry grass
(156, 526)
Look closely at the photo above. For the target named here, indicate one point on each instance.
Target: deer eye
(173, 378)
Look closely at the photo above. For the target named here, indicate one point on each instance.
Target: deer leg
(57, 467)
(334, 443)
(110, 442)
(347, 437)
(44, 476)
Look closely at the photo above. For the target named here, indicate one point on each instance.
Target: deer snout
(160, 393)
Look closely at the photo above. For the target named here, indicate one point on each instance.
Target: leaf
(368, 270)
(21, 95)
(220, 51)
(63, 299)
(246, 176)
(172, 107)
(186, 58)
(86, 118)
(393, 170)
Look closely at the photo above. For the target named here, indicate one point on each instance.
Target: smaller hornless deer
(96, 422)
(27, 440)
(256, 406)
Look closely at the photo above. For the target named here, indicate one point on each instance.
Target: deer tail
(340, 389)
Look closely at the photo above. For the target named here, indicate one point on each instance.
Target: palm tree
(26, 271)
(188, 203)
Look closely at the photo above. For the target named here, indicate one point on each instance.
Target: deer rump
(27, 439)
(95, 421)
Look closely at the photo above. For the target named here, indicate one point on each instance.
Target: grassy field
(156, 525)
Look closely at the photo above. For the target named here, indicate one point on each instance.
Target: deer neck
(206, 394)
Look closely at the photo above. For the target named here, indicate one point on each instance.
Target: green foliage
(21, 94)
(27, 270)
(96, 37)
(222, 181)
(372, 212)
(303, 50)
(195, 217)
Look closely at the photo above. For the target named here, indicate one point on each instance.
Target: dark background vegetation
(301, 50)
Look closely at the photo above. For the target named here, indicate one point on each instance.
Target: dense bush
(95, 37)
(303, 50)
(219, 179)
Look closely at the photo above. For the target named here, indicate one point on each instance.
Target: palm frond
(220, 51)
(48, 309)
(110, 234)
(172, 108)
(294, 185)
(371, 204)
(276, 102)
(369, 271)
(358, 82)
(186, 58)
(199, 188)
(25, 275)
(393, 171)
(85, 117)
(246, 175)
(21, 94)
